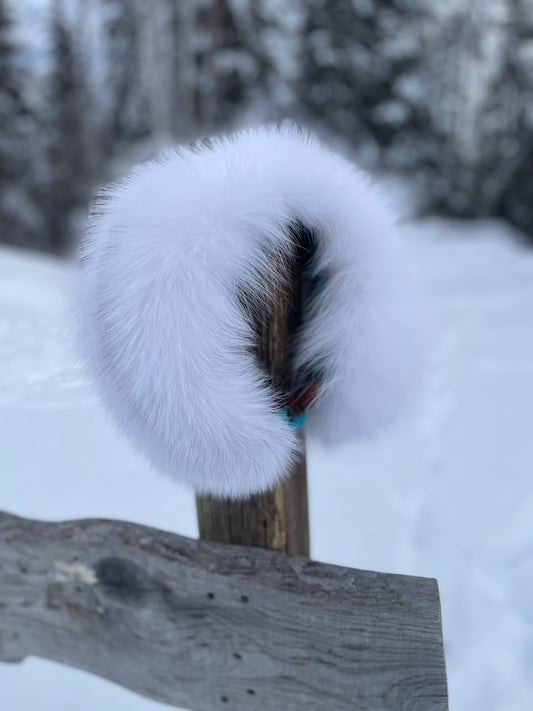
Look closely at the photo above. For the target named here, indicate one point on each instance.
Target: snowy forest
(438, 93)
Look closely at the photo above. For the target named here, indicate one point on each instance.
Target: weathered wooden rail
(209, 626)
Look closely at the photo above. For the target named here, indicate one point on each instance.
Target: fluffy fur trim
(167, 341)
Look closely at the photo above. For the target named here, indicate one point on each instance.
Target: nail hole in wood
(250, 691)
(224, 699)
(210, 596)
(237, 656)
(244, 598)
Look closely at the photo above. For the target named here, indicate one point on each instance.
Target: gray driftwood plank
(209, 626)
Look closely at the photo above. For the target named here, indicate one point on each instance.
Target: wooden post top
(277, 519)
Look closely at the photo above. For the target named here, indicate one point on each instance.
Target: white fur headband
(167, 340)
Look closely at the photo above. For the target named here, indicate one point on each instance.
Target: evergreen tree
(216, 65)
(128, 111)
(230, 65)
(517, 198)
(353, 54)
(234, 61)
(473, 94)
(67, 187)
(19, 222)
(273, 38)
(335, 65)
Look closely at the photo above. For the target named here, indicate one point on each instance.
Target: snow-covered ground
(448, 493)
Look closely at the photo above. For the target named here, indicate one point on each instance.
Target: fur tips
(169, 344)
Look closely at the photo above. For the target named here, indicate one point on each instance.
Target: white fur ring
(167, 339)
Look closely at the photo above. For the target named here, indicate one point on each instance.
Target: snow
(447, 493)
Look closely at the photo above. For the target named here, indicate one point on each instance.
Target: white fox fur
(167, 341)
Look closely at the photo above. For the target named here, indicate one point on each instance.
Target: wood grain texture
(276, 519)
(212, 627)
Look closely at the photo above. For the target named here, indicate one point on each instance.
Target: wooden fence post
(278, 518)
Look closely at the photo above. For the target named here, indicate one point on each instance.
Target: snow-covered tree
(438, 93)
(336, 64)
(127, 110)
(221, 73)
(274, 35)
(441, 93)
(353, 54)
(473, 105)
(517, 198)
(19, 220)
(67, 186)
(235, 62)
